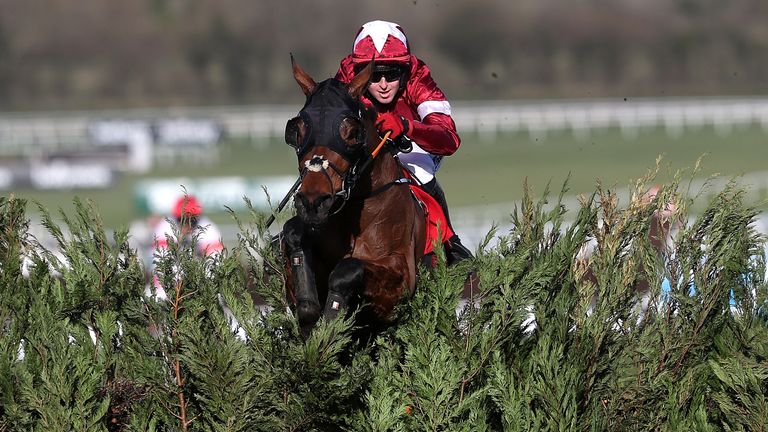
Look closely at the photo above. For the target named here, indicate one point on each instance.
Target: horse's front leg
(381, 283)
(302, 270)
(346, 280)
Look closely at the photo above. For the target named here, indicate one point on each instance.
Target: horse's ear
(359, 83)
(305, 81)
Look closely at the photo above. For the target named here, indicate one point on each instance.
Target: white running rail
(23, 133)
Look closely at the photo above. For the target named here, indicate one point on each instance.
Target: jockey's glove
(395, 124)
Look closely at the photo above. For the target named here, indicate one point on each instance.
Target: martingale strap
(384, 188)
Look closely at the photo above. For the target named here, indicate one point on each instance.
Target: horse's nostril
(321, 199)
(313, 204)
(300, 201)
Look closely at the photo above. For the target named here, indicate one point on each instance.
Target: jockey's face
(384, 91)
(187, 225)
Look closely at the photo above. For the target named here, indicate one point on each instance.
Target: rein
(348, 180)
(356, 173)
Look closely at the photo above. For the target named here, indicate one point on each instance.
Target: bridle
(318, 163)
(322, 115)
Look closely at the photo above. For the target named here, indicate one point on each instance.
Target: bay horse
(358, 234)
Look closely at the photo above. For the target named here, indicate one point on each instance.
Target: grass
(488, 171)
(485, 170)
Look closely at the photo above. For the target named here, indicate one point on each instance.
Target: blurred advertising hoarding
(157, 196)
(187, 132)
(64, 175)
(57, 175)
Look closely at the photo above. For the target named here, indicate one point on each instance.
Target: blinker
(322, 114)
(292, 132)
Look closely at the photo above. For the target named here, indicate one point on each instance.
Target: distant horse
(359, 234)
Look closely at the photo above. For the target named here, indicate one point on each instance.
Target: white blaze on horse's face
(317, 196)
(316, 163)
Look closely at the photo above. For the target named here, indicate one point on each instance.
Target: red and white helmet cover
(187, 206)
(383, 39)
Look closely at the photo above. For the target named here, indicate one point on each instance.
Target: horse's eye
(292, 131)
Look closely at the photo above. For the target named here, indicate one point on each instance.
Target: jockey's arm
(209, 240)
(210, 248)
(436, 133)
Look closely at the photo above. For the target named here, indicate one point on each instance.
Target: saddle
(438, 231)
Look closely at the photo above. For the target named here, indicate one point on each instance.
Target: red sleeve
(160, 243)
(436, 131)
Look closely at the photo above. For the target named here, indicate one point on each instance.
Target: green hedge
(697, 359)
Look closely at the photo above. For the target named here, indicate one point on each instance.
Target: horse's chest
(332, 244)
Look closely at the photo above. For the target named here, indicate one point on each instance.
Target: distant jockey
(187, 213)
(409, 103)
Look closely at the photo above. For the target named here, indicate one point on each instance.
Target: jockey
(188, 214)
(409, 103)
(193, 226)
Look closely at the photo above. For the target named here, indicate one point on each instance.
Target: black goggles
(187, 219)
(390, 75)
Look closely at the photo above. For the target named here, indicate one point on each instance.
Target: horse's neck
(377, 196)
(385, 171)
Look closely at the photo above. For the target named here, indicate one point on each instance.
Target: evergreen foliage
(553, 339)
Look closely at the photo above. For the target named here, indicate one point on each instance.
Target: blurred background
(127, 102)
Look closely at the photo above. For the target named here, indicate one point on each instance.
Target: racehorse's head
(329, 136)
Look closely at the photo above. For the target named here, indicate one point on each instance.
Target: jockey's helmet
(187, 205)
(383, 41)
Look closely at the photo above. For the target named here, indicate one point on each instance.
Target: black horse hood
(323, 113)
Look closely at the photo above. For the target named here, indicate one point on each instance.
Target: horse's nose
(313, 209)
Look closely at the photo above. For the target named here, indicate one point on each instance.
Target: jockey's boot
(454, 250)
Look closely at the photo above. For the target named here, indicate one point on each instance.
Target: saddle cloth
(438, 231)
